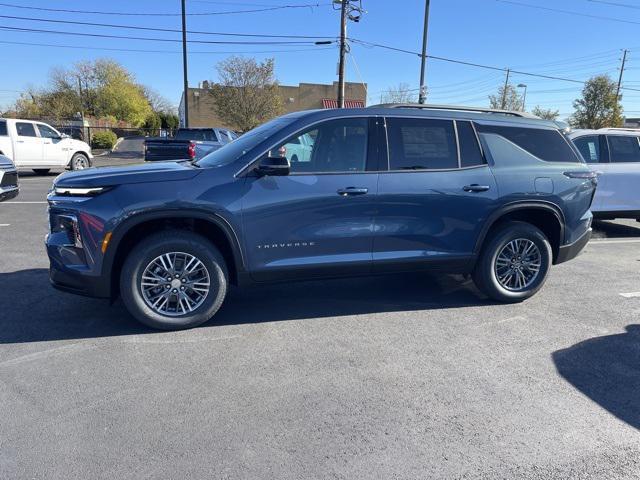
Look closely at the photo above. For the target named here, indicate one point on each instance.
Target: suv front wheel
(514, 262)
(174, 280)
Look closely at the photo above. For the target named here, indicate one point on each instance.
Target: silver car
(8, 179)
(615, 154)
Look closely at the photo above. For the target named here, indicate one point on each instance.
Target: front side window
(545, 144)
(47, 132)
(3, 129)
(26, 129)
(624, 149)
(330, 147)
(589, 147)
(421, 144)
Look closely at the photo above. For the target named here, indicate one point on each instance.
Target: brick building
(305, 96)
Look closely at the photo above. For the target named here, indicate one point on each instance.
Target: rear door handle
(345, 192)
(474, 187)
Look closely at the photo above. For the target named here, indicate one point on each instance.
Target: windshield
(234, 150)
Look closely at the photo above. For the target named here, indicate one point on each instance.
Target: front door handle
(345, 192)
(474, 187)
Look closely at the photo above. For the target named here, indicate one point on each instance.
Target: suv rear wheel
(514, 262)
(174, 280)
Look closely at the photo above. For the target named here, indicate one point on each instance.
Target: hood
(143, 173)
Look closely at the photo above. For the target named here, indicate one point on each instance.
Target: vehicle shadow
(611, 229)
(33, 311)
(607, 370)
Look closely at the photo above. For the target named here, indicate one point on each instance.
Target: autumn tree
(599, 106)
(246, 93)
(506, 98)
(545, 113)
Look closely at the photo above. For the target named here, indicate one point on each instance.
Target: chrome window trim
(455, 132)
(309, 125)
(427, 170)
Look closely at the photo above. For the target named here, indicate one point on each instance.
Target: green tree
(546, 113)
(599, 107)
(508, 99)
(247, 92)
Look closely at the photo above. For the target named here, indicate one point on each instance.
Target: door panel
(28, 147)
(54, 151)
(430, 215)
(618, 185)
(319, 220)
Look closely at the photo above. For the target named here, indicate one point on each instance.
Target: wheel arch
(546, 216)
(73, 154)
(212, 226)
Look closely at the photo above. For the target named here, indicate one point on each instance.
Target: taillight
(282, 151)
(192, 150)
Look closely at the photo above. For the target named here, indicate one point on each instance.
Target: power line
(615, 4)
(155, 29)
(472, 64)
(570, 12)
(139, 50)
(152, 14)
(155, 39)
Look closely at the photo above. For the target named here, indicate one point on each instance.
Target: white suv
(615, 154)
(40, 147)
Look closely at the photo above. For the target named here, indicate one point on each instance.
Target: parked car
(298, 150)
(8, 179)
(40, 147)
(615, 154)
(501, 197)
(187, 144)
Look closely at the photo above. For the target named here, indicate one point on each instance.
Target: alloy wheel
(175, 283)
(518, 264)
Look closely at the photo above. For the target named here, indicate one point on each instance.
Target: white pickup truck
(40, 147)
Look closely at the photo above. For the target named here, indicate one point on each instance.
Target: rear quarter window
(545, 144)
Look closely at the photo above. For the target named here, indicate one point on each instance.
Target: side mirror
(63, 135)
(273, 166)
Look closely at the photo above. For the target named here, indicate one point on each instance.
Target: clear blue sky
(491, 32)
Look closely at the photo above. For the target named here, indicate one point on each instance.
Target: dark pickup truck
(187, 144)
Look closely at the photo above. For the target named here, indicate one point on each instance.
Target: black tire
(41, 171)
(151, 248)
(484, 275)
(79, 161)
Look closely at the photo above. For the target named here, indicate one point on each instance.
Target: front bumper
(8, 193)
(571, 251)
(74, 281)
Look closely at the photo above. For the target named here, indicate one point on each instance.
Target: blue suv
(493, 194)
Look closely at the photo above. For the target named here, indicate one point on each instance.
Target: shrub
(106, 139)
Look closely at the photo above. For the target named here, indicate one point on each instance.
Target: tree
(398, 94)
(598, 107)
(546, 113)
(247, 92)
(512, 101)
(103, 89)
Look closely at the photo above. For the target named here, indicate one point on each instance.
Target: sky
(572, 39)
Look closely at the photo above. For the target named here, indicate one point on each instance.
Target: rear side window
(470, 154)
(589, 148)
(547, 145)
(3, 129)
(26, 129)
(421, 144)
(624, 149)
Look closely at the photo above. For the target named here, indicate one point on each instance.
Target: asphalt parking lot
(410, 376)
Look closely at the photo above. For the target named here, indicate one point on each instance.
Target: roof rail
(619, 129)
(458, 108)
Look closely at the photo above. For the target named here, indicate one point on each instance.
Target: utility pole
(343, 51)
(423, 88)
(503, 104)
(624, 59)
(184, 64)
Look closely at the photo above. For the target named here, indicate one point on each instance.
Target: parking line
(22, 203)
(630, 295)
(605, 242)
(5, 224)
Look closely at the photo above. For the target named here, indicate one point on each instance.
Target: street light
(524, 95)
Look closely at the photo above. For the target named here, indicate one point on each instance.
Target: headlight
(79, 192)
